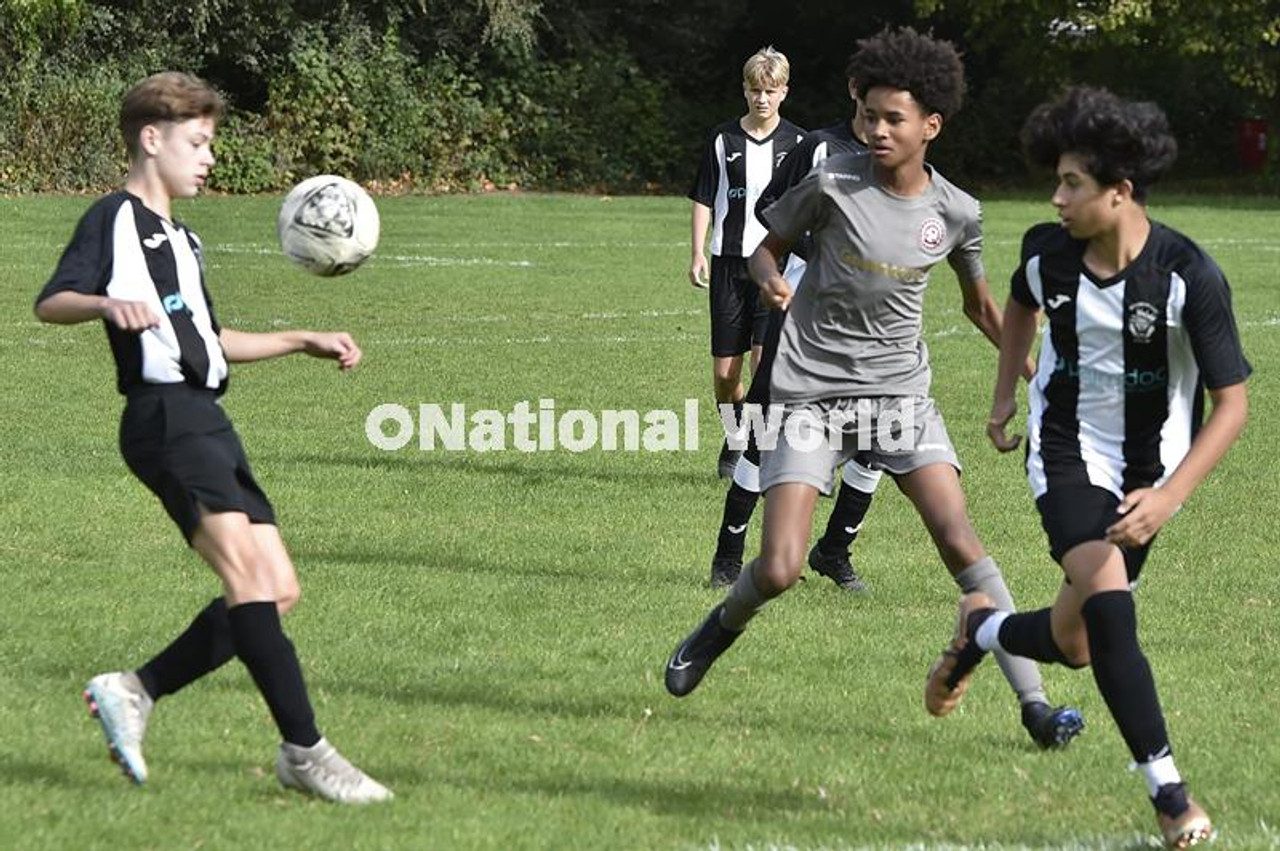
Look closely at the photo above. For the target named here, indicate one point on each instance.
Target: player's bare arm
(243, 346)
(763, 267)
(699, 273)
(69, 308)
(1018, 331)
(1145, 510)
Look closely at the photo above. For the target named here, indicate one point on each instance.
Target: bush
(59, 126)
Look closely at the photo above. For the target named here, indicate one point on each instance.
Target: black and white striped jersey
(810, 151)
(123, 250)
(734, 172)
(1118, 393)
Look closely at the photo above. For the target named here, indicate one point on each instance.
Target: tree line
(586, 94)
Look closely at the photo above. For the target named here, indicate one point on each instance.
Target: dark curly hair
(1116, 140)
(928, 68)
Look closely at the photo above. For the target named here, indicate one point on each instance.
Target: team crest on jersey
(1142, 321)
(932, 234)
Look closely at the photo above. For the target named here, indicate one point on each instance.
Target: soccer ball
(328, 225)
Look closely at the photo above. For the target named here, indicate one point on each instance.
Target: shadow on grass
(528, 474)
(17, 771)
(427, 556)
(725, 797)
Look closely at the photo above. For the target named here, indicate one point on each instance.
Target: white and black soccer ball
(328, 225)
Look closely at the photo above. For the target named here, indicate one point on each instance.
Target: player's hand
(338, 346)
(776, 292)
(698, 274)
(131, 316)
(1002, 410)
(1145, 510)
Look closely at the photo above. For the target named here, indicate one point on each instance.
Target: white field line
(539, 340)
(556, 244)
(397, 259)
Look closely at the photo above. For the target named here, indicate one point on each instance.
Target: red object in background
(1251, 144)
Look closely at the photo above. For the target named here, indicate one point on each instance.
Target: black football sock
(262, 646)
(739, 504)
(1022, 674)
(1123, 674)
(205, 646)
(1030, 634)
(846, 519)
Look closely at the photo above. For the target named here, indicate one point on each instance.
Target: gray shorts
(897, 434)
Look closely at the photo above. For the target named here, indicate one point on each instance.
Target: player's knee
(778, 571)
(726, 387)
(288, 597)
(958, 545)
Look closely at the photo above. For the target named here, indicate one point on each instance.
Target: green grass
(486, 632)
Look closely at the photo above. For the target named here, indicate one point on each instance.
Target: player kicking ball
(131, 265)
(851, 351)
(1139, 325)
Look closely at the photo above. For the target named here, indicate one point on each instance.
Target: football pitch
(485, 631)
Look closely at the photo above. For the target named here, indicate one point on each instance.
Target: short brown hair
(169, 96)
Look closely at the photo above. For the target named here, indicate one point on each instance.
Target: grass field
(485, 632)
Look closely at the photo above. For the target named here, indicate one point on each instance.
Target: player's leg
(830, 556)
(793, 474)
(1120, 668)
(744, 492)
(241, 556)
(739, 506)
(206, 643)
(731, 327)
(788, 512)
(936, 493)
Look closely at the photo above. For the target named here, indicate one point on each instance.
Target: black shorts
(1074, 515)
(179, 442)
(738, 316)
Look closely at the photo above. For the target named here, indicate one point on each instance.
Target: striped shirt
(735, 169)
(123, 250)
(1118, 393)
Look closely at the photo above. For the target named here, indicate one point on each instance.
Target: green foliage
(59, 126)
(594, 120)
(582, 93)
(246, 161)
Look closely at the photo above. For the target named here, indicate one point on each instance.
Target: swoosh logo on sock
(737, 530)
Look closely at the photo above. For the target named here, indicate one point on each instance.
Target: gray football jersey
(854, 326)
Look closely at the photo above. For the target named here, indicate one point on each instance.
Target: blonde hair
(767, 67)
(168, 96)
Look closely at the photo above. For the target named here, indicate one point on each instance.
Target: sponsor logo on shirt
(907, 274)
(154, 241)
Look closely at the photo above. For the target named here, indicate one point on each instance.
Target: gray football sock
(1023, 675)
(743, 601)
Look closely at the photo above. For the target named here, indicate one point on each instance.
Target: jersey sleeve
(794, 167)
(799, 210)
(966, 257)
(1019, 287)
(703, 190)
(86, 261)
(1211, 326)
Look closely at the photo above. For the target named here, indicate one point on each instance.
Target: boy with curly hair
(1139, 327)
(851, 366)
